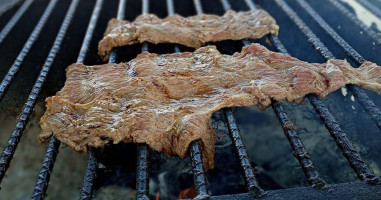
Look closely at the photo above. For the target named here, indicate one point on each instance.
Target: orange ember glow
(188, 193)
(157, 195)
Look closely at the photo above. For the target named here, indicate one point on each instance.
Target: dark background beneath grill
(263, 136)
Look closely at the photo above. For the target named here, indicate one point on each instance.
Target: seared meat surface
(192, 31)
(169, 100)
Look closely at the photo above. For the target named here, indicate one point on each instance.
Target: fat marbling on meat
(169, 102)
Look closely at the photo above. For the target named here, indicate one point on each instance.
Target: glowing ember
(188, 193)
(157, 195)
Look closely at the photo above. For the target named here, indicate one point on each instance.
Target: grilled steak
(192, 31)
(169, 101)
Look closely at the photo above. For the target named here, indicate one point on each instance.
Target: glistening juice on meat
(169, 102)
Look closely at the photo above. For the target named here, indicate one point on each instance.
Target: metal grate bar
(353, 157)
(226, 5)
(25, 50)
(199, 177)
(171, 11)
(374, 9)
(198, 171)
(145, 7)
(92, 164)
(54, 144)
(90, 176)
(121, 9)
(373, 34)
(90, 31)
(251, 182)
(142, 160)
(120, 15)
(46, 170)
(298, 148)
(10, 148)
(363, 172)
(198, 6)
(339, 40)
(141, 173)
(251, 4)
(300, 151)
(15, 18)
(363, 98)
(248, 172)
(278, 44)
(366, 103)
(327, 54)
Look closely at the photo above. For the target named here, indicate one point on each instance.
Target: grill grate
(300, 151)
(373, 34)
(362, 170)
(13, 141)
(365, 101)
(12, 22)
(351, 154)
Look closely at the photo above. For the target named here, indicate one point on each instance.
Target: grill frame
(362, 170)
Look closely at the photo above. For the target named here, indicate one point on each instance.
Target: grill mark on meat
(170, 101)
(193, 31)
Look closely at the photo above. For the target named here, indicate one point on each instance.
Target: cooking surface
(262, 134)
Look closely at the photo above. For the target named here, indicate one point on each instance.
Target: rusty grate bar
(353, 157)
(25, 50)
(10, 148)
(15, 18)
(363, 98)
(200, 180)
(300, 151)
(54, 144)
(372, 8)
(373, 34)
